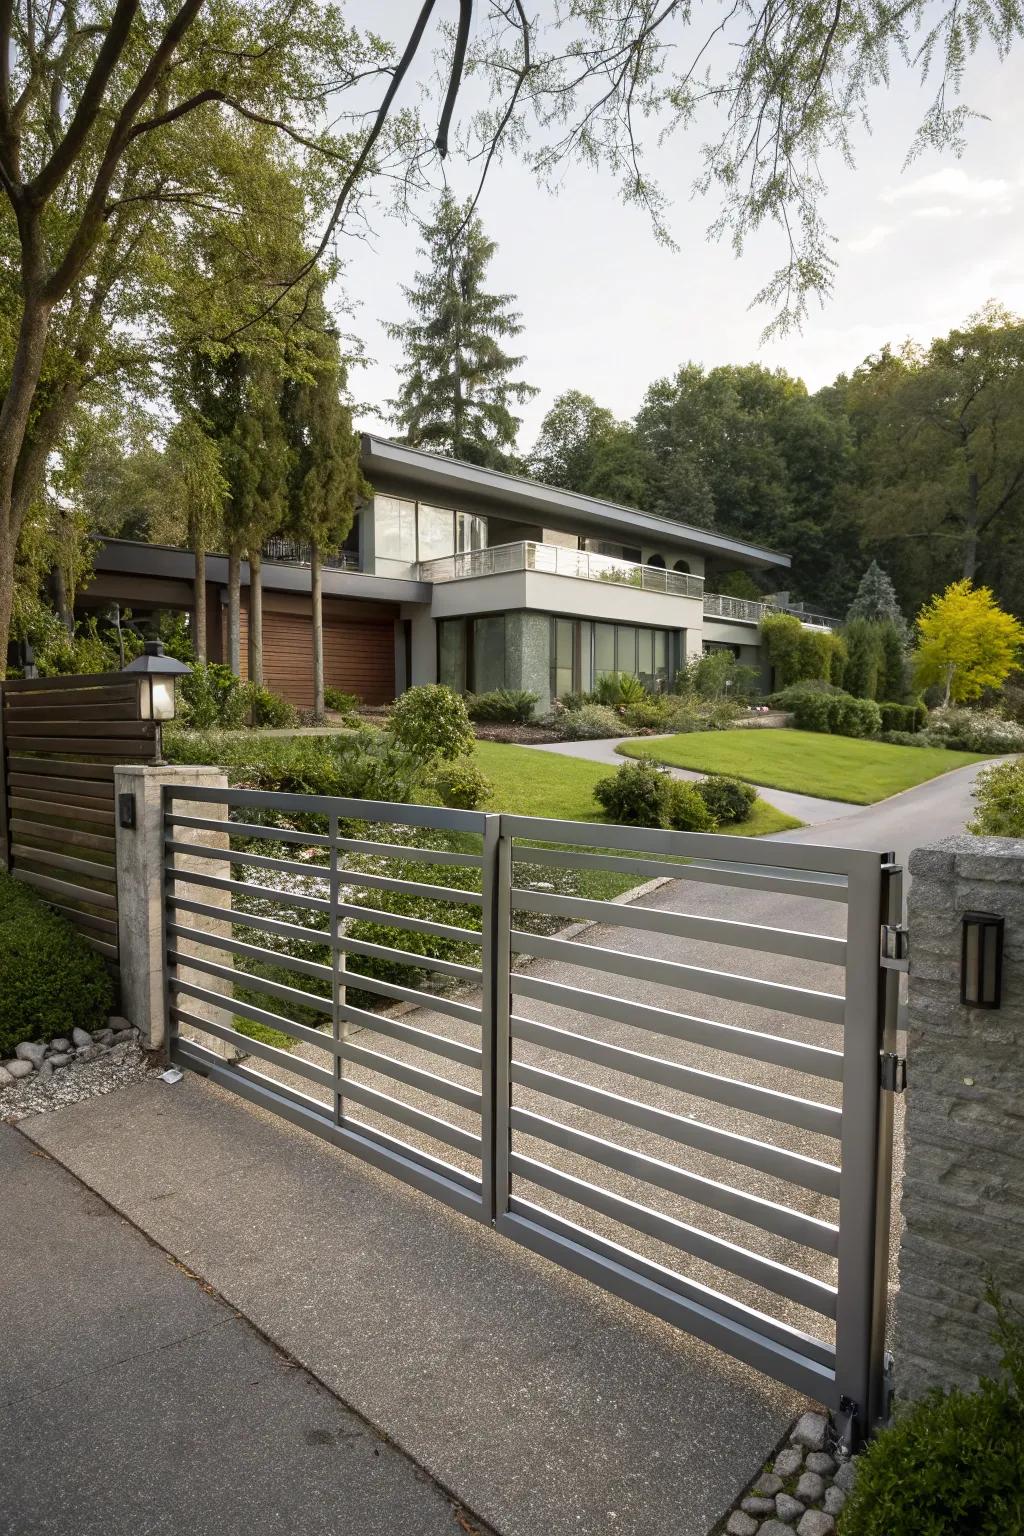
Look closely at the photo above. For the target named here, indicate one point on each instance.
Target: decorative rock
(846, 1475)
(789, 1461)
(62, 1043)
(815, 1523)
(775, 1528)
(835, 1498)
(767, 1485)
(810, 1431)
(787, 1508)
(46, 1069)
(103, 1036)
(82, 1038)
(31, 1051)
(59, 1058)
(741, 1524)
(122, 1036)
(810, 1488)
(18, 1069)
(821, 1462)
(758, 1506)
(5, 1078)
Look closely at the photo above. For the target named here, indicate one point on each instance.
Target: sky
(607, 310)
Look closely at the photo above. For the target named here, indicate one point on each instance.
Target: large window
(436, 532)
(488, 654)
(604, 649)
(470, 532)
(411, 531)
(563, 645)
(394, 529)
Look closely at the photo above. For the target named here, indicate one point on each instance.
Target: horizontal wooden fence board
(52, 786)
(46, 808)
(66, 889)
(18, 687)
(138, 749)
(72, 837)
(91, 868)
(49, 766)
(102, 709)
(116, 731)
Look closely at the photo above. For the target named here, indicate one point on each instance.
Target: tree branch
(455, 77)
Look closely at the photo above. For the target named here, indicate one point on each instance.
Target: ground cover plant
(999, 801)
(50, 980)
(832, 767)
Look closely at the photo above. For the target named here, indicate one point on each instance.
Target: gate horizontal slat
(821, 888)
(816, 1060)
(781, 1220)
(828, 1007)
(791, 1283)
(766, 1102)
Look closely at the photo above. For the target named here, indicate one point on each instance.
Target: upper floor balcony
(295, 552)
(554, 560)
(718, 606)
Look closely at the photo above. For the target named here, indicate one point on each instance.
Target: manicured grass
(833, 767)
(532, 783)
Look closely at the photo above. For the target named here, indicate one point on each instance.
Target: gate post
(963, 1192)
(139, 814)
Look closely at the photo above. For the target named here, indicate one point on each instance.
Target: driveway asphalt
(135, 1400)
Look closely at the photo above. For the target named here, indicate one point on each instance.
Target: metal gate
(558, 1081)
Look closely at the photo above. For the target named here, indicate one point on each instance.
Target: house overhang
(422, 475)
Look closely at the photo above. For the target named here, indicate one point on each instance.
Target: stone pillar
(963, 1185)
(140, 891)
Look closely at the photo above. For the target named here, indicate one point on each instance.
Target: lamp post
(157, 673)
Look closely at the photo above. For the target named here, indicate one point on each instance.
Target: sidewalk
(544, 1404)
(134, 1401)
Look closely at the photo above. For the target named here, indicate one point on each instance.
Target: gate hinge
(893, 1071)
(895, 949)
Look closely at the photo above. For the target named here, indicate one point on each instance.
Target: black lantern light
(981, 959)
(158, 673)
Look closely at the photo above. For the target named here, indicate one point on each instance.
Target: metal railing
(718, 606)
(521, 1020)
(295, 552)
(554, 560)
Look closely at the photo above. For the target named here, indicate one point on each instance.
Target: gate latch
(895, 954)
(893, 1072)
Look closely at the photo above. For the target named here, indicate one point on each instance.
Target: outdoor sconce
(981, 959)
(157, 674)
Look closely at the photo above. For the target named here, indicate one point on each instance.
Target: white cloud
(953, 182)
(935, 211)
(874, 237)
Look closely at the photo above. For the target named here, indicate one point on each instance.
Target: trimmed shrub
(688, 811)
(637, 794)
(812, 711)
(894, 673)
(615, 688)
(361, 765)
(727, 799)
(431, 723)
(865, 658)
(854, 717)
(590, 723)
(715, 674)
(266, 709)
(505, 706)
(782, 634)
(814, 656)
(976, 730)
(651, 715)
(999, 799)
(462, 786)
(50, 980)
(337, 699)
(903, 717)
(950, 1464)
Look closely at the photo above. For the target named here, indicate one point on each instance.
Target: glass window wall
(563, 641)
(488, 654)
(436, 532)
(394, 529)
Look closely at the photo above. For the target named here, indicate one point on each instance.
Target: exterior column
(963, 1185)
(140, 890)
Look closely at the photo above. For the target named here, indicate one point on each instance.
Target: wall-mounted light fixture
(158, 673)
(981, 959)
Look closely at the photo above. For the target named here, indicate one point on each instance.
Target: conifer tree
(458, 386)
(324, 481)
(256, 461)
(876, 600)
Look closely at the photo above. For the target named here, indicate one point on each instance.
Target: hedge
(50, 980)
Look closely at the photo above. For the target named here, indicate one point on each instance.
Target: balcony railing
(553, 560)
(718, 606)
(294, 552)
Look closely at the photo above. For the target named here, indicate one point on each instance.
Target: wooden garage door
(359, 656)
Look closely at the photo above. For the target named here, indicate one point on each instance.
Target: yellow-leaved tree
(965, 642)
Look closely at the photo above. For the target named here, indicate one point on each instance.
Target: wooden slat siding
(359, 657)
(359, 653)
(61, 738)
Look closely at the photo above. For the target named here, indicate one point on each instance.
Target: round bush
(462, 786)
(50, 980)
(592, 722)
(504, 706)
(637, 795)
(688, 811)
(727, 799)
(812, 710)
(854, 717)
(431, 722)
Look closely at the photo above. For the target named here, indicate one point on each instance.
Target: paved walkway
(134, 1400)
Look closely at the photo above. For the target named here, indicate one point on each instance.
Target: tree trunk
(949, 685)
(235, 609)
(256, 617)
(26, 368)
(61, 601)
(316, 594)
(199, 602)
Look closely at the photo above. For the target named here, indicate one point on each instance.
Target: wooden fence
(60, 738)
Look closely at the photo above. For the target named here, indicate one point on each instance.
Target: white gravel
(36, 1095)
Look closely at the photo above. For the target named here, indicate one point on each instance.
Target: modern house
(469, 577)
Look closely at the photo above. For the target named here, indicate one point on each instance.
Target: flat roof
(523, 497)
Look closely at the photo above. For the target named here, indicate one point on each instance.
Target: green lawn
(531, 783)
(833, 767)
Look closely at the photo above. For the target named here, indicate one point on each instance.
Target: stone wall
(963, 1191)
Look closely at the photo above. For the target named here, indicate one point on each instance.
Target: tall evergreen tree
(458, 389)
(324, 480)
(256, 460)
(876, 600)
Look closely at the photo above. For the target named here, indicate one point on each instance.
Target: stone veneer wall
(963, 1190)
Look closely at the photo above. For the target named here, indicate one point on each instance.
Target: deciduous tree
(966, 643)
